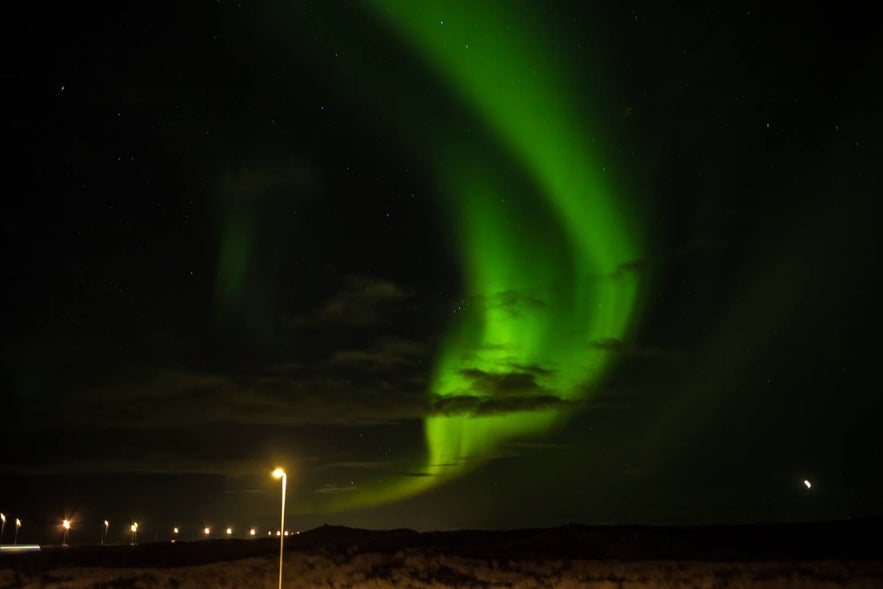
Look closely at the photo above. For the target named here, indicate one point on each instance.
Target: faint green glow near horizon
(543, 262)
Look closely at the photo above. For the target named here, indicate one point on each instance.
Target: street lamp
(280, 474)
(66, 524)
(251, 532)
(3, 529)
(229, 531)
(206, 531)
(17, 526)
(106, 526)
(134, 529)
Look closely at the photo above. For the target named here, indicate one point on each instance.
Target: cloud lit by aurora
(538, 224)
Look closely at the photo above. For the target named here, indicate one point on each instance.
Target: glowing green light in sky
(543, 250)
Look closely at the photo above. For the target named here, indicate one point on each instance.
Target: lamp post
(2, 529)
(207, 531)
(104, 535)
(17, 527)
(66, 524)
(280, 474)
(134, 529)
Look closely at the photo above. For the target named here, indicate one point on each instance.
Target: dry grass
(413, 570)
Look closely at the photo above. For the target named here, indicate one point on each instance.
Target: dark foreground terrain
(830, 555)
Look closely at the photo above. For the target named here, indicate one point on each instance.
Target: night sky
(484, 264)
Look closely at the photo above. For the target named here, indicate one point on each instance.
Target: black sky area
(218, 257)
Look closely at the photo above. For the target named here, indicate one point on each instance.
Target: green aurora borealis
(545, 253)
(483, 264)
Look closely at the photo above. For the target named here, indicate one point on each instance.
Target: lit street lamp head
(66, 524)
(278, 473)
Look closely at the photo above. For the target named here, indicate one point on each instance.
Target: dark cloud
(523, 383)
(360, 465)
(390, 354)
(513, 302)
(631, 267)
(362, 301)
(413, 474)
(332, 489)
(475, 405)
(536, 445)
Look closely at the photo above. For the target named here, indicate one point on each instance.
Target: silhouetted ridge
(854, 539)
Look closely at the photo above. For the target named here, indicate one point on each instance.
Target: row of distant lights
(252, 532)
(278, 473)
(66, 524)
(206, 531)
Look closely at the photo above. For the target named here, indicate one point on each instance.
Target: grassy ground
(414, 569)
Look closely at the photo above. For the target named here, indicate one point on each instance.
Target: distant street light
(229, 531)
(66, 524)
(104, 536)
(807, 484)
(251, 532)
(17, 527)
(134, 529)
(2, 529)
(280, 474)
(207, 531)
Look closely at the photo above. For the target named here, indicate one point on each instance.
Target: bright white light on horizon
(206, 531)
(807, 484)
(66, 524)
(175, 530)
(251, 532)
(229, 531)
